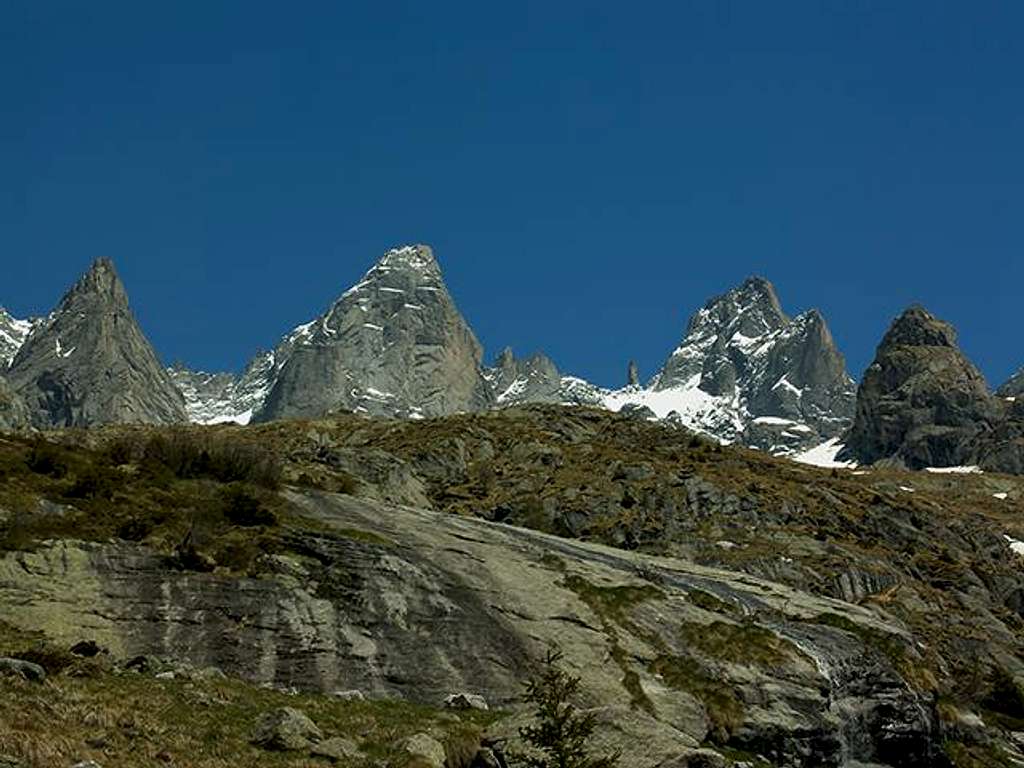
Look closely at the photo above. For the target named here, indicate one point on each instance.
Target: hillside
(712, 598)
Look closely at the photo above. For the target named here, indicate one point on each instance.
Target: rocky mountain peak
(746, 371)
(393, 344)
(533, 379)
(89, 362)
(921, 402)
(752, 308)
(416, 258)
(916, 327)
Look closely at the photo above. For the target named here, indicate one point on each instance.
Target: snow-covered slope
(747, 373)
(13, 333)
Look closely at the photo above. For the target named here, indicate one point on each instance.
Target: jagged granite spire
(89, 362)
(394, 344)
(534, 379)
(921, 402)
(632, 374)
(745, 371)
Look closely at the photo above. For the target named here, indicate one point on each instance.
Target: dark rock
(637, 411)
(86, 649)
(632, 375)
(923, 404)
(25, 669)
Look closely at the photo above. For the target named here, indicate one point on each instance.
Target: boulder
(284, 730)
(462, 701)
(429, 751)
(25, 669)
(336, 748)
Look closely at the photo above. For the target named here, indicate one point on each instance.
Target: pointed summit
(89, 362)
(746, 371)
(394, 344)
(533, 379)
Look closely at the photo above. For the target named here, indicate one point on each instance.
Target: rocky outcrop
(923, 404)
(674, 655)
(1014, 387)
(13, 412)
(533, 379)
(89, 363)
(394, 344)
(632, 375)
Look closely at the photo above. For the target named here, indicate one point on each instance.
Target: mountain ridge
(395, 344)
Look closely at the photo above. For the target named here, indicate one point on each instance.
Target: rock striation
(89, 363)
(922, 403)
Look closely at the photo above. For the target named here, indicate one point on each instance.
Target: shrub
(46, 459)
(242, 507)
(560, 735)
(94, 483)
(192, 455)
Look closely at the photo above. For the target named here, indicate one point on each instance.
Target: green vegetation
(89, 710)
(207, 499)
(724, 709)
(560, 735)
(709, 602)
(738, 643)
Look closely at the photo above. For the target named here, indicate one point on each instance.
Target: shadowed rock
(921, 402)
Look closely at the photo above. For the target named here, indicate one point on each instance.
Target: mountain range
(396, 345)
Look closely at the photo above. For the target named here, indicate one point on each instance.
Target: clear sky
(588, 173)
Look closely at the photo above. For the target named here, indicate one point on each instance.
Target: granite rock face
(922, 403)
(492, 598)
(394, 344)
(89, 363)
(13, 412)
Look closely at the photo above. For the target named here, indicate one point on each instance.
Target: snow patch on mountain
(13, 335)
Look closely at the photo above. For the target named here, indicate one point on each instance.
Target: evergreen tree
(560, 734)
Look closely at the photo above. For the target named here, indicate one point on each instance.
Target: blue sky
(588, 173)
